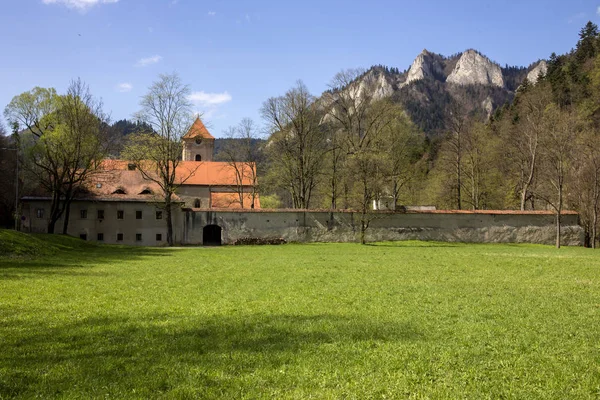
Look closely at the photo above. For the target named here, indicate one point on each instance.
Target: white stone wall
(299, 226)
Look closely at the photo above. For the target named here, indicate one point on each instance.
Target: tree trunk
(66, 220)
(558, 229)
(346, 194)
(594, 228)
(523, 197)
(169, 221)
(66, 210)
(54, 213)
(395, 195)
(51, 226)
(528, 183)
(363, 227)
(559, 216)
(595, 212)
(458, 182)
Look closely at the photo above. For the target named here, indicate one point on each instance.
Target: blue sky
(236, 54)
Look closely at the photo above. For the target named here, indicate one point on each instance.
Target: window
(138, 215)
(100, 237)
(100, 214)
(198, 140)
(119, 191)
(146, 191)
(159, 215)
(131, 167)
(83, 236)
(119, 237)
(83, 214)
(120, 214)
(39, 213)
(198, 157)
(197, 203)
(138, 237)
(159, 237)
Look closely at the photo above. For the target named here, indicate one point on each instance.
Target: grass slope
(22, 245)
(394, 320)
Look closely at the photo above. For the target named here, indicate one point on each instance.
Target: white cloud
(598, 10)
(144, 62)
(212, 13)
(208, 104)
(81, 5)
(209, 99)
(124, 87)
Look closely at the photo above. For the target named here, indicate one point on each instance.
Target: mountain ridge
(433, 80)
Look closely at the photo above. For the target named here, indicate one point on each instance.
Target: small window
(100, 214)
(119, 191)
(120, 214)
(39, 212)
(198, 157)
(119, 237)
(138, 215)
(198, 140)
(159, 237)
(197, 203)
(83, 214)
(100, 237)
(138, 237)
(131, 167)
(159, 215)
(146, 191)
(83, 236)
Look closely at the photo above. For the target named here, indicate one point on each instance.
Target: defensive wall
(228, 226)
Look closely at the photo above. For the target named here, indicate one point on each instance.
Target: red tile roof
(212, 173)
(198, 130)
(124, 185)
(207, 173)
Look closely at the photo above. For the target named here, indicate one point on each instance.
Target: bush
(249, 241)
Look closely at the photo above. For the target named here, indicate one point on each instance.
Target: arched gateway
(211, 235)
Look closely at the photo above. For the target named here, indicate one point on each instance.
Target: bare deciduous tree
(557, 150)
(367, 133)
(167, 109)
(526, 136)
(457, 125)
(241, 154)
(585, 196)
(297, 143)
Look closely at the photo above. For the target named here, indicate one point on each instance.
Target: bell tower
(198, 143)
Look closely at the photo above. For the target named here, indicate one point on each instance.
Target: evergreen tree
(586, 47)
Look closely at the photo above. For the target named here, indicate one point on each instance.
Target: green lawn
(393, 320)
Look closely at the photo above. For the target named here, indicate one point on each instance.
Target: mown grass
(392, 320)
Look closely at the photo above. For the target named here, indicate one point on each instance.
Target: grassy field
(392, 320)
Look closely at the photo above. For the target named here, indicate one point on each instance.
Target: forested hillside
(433, 143)
(548, 148)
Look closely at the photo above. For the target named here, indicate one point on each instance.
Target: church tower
(198, 143)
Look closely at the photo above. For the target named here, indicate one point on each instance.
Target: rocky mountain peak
(376, 84)
(425, 66)
(473, 68)
(534, 74)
